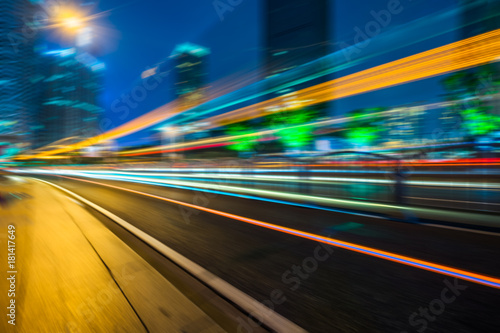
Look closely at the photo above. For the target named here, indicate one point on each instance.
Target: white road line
(459, 201)
(490, 233)
(267, 316)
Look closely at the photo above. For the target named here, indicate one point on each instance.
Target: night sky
(139, 34)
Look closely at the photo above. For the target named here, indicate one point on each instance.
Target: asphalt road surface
(321, 288)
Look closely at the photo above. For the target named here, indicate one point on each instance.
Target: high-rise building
(70, 105)
(296, 32)
(18, 94)
(479, 16)
(405, 125)
(476, 17)
(191, 74)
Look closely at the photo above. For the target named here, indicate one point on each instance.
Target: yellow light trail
(456, 56)
(151, 118)
(135, 125)
(460, 55)
(256, 135)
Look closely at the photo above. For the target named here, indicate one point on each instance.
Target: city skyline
(234, 18)
(131, 104)
(248, 166)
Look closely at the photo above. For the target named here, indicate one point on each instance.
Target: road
(475, 190)
(321, 288)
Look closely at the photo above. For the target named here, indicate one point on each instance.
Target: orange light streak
(456, 56)
(409, 261)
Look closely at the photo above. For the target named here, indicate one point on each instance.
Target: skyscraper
(296, 32)
(18, 93)
(190, 61)
(70, 105)
(479, 16)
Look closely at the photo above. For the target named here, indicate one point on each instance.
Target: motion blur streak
(466, 53)
(322, 180)
(463, 54)
(429, 266)
(173, 184)
(226, 140)
(460, 55)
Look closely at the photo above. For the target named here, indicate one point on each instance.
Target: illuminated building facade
(476, 17)
(296, 32)
(405, 126)
(18, 92)
(191, 74)
(479, 16)
(70, 97)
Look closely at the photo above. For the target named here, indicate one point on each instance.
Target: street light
(72, 23)
(69, 19)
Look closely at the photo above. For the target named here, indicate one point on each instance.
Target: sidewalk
(73, 275)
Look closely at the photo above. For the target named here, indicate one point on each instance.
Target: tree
(465, 90)
(293, 128)
(245, 144)
(479, 122)
(363, 126)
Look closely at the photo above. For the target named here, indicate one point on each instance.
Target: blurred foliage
(468, 90)
(364, 126)
(478, 122)
(245, 144)
(292, 130)
(289, 131)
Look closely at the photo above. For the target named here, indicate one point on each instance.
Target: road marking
(459, 201)
(267, 316)
(409, 261)
(210, 189)
(490, 233)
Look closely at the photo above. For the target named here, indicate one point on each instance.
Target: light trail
(233, 194)
(268, 317)
(137, 124)
(394, 257)
(284, 179)
(456, 56)
(463, 54)
(196, 185)
(200, 144)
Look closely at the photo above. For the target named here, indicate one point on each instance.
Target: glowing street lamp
(69, 19)
(72, 23)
